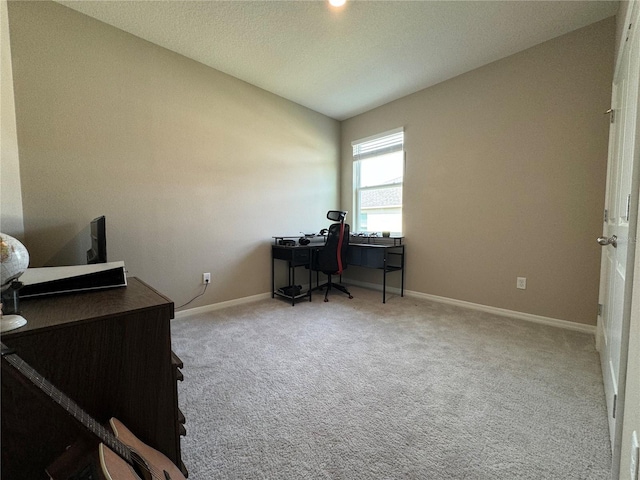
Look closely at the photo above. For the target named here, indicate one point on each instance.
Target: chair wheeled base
(329, 285)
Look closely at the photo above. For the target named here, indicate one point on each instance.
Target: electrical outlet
(635, 457)
(521, 283)
(206, 278)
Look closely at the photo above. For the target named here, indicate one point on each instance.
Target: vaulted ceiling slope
(342, 62)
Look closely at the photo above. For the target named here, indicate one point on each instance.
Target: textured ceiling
(342, 62)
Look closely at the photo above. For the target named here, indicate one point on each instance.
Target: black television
(98, 251)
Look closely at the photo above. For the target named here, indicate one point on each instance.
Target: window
(378, 173)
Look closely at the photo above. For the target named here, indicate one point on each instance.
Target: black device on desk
(286, 242)
(98, 251)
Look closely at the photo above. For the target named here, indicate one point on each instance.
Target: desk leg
(384, 277)
(292, 278)
(310, 277)
(273, 281)
(402, 273)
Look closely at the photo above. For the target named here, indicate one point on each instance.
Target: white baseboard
(503, 312)
(221, 305)
(553, 322)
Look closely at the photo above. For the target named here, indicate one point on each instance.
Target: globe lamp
(14, 260)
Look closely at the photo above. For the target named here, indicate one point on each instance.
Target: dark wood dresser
(110, 351)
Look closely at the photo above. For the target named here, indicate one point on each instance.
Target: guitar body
(153, 464)
(108, 465)
(112, 467)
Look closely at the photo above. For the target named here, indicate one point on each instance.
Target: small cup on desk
(386, 234)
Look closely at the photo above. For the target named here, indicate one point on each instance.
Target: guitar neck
(65, 402)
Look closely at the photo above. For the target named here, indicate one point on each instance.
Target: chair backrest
(332, 259)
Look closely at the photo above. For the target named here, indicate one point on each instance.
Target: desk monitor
(98, 251)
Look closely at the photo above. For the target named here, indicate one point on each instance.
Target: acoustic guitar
(121, 456)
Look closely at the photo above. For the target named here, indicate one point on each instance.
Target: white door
(615, 239)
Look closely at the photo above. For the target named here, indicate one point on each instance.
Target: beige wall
(10, 192)
(505, 177)
(505, 166)
(194, 169)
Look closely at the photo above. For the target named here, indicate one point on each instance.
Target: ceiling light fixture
(337, 3)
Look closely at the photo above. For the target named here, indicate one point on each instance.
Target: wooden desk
(110, 351)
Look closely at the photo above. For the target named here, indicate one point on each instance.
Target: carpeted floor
(358, 390)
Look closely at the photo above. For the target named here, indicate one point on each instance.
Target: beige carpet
(354, 389)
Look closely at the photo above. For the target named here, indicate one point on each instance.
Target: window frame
(371, 153)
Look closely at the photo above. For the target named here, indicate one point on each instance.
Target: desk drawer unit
(365, 257)
(295, 256)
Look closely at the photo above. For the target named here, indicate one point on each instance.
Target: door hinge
(628, 209)
(600, 309)
(612, 115)
(615, 404)
(606, 215)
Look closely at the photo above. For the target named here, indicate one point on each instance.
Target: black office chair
(332, 259)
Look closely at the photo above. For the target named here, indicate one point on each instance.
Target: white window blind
(388, 142)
